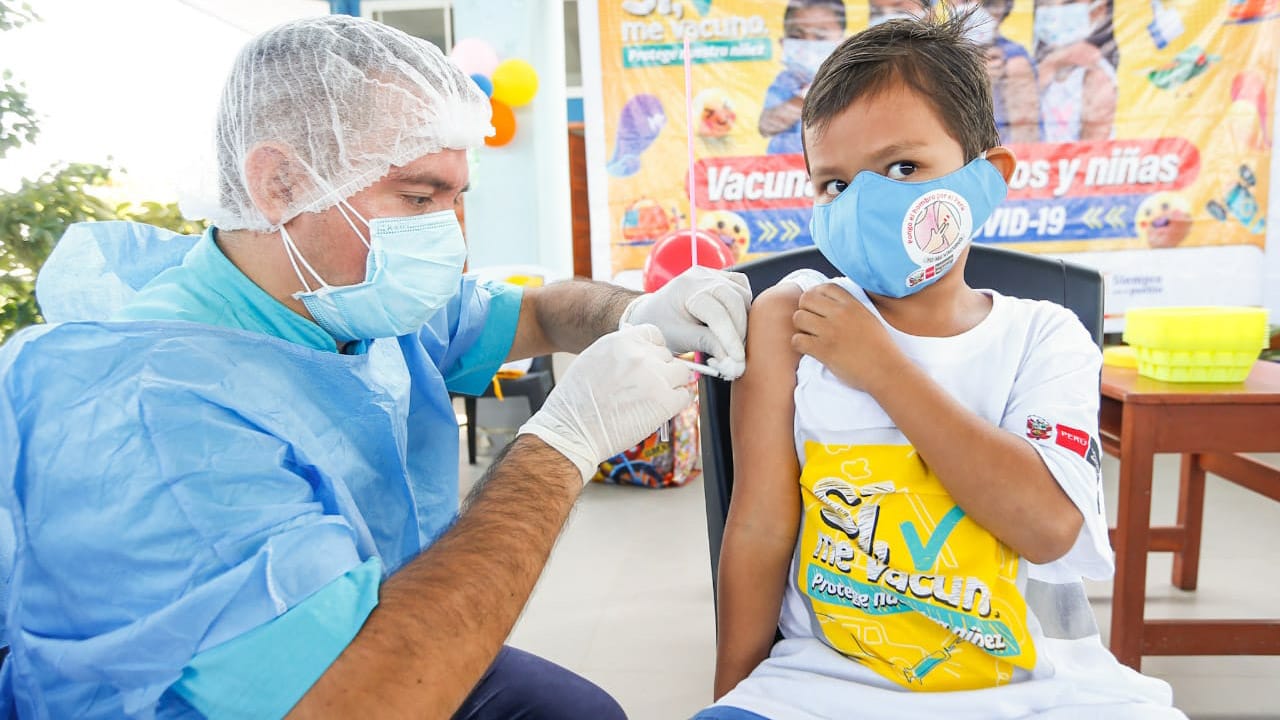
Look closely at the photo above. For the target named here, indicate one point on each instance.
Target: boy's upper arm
(762, 419)
(1054, 407)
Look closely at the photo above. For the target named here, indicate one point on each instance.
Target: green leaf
(18, 124)
(36, 215)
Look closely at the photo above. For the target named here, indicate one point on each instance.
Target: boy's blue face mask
(895, 238)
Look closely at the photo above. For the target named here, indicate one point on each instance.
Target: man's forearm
(568, 316)
(441, 620)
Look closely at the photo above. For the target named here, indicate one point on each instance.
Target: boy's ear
(1002, 157)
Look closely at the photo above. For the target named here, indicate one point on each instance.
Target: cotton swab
(699, 367)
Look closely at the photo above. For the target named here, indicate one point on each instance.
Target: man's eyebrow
(423, 178)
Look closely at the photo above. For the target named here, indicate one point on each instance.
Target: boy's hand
(842, 334)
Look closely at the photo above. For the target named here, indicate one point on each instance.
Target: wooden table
(1208, 424)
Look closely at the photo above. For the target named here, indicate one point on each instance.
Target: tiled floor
(626, 600)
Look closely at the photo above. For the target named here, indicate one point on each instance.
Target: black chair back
(1008, 272)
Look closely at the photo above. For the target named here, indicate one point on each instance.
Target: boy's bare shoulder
(784, 294)
(784, 297)
(770, 327)
(774, 307)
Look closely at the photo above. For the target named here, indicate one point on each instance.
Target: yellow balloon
(515, 82)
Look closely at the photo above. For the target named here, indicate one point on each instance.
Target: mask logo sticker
(937, 222)
(1038, 428)
(934, 231)
(929, 273)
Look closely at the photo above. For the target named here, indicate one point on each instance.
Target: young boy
(811, 30)
(943, 439)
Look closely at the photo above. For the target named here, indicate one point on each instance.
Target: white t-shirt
(900, 606)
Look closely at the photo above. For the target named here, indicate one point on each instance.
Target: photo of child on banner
(1077, 60)
(1015, 91)
(811, 30)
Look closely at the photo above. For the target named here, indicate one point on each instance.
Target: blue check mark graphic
(925, 555)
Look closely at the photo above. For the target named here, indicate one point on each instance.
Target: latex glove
(615, 394)
(700, 309)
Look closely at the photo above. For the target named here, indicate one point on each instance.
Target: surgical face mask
(804, 56)
(412, 272)
(1059, 25)
(981, 27)
(896, 238)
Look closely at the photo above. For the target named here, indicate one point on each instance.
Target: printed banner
(1144, 132)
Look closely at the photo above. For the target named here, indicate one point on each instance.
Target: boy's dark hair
(931, 56)
(835, 6)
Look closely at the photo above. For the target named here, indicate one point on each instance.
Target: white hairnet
(345, 98)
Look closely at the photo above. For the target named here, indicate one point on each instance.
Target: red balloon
(673, 254)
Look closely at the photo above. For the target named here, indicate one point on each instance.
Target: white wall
(518, 211)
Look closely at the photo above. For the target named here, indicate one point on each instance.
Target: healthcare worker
(237, 494)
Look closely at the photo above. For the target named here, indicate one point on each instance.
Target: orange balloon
(504, 124)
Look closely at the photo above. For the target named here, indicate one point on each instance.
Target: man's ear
(1002, 157)
(272, 178)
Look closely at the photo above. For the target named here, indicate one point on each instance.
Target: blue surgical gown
(182, 490)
